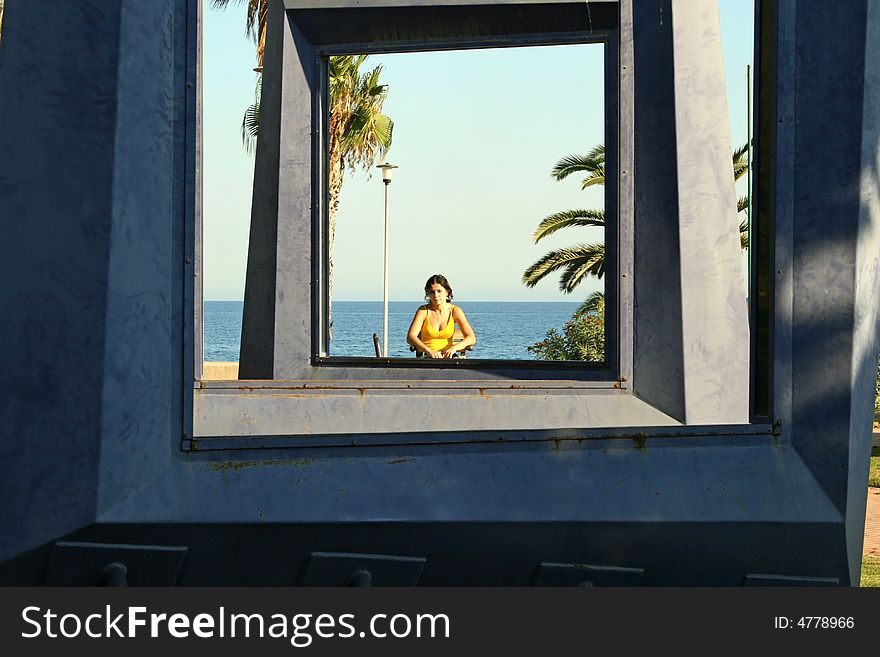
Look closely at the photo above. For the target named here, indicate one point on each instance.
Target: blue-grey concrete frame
(269, 349)
(689, 369)
(283, 349)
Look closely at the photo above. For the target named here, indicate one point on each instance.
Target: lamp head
(387, 170)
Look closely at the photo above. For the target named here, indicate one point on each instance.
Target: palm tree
(582, 259)
(359, 133)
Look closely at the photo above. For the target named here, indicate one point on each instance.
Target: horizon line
(420, 301)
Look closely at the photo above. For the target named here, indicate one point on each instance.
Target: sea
(504, 329)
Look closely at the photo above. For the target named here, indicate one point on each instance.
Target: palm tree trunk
(334, 188)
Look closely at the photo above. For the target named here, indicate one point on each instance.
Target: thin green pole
(749, 168)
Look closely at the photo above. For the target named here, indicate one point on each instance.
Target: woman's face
(437, 294)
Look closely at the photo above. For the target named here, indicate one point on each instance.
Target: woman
(433, 326)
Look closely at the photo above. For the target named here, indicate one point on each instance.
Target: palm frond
(584, 258)
(560, 220)
(593, 163)
(592, 263)
(740, 161)
(250, 127)
(344, 77)
(742, 204)
(597, 153)
(367, 137)
(744, 234)
(575, 272)
(383, 130)
(365, 133)
(740, 168)
(255, 8)
(571, 164)
(593, 303)
(593, 179)
(250, 123)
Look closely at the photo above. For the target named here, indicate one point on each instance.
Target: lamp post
(387, 170)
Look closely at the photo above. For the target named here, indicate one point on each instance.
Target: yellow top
(434, 339)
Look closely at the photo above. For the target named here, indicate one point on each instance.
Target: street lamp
(387, 170)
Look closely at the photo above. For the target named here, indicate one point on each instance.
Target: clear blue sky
(476, 134)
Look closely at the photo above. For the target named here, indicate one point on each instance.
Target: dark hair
(438, 279)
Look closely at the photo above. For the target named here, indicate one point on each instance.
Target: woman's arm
(469, 337)
(412, 336)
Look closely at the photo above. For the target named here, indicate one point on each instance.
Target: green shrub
(582, 338)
